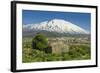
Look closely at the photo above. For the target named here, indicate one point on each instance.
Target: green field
(76, 52)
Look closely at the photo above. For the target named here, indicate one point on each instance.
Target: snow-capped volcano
(56, 25)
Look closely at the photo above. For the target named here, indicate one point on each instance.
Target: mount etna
(54, 27)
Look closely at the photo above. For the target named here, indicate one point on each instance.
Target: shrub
(39, 42)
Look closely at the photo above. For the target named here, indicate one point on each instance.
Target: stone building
(61, 45)
(57, 47)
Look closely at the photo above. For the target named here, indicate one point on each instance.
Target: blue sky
(32, 16)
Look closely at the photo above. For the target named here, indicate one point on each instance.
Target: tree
(39, 42)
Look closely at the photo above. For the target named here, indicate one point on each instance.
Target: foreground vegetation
(76, 52)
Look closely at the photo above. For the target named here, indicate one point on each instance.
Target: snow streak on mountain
(56, 25)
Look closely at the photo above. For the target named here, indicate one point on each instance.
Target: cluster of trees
(40, 42)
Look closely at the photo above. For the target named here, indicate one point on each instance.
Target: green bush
(39, 42)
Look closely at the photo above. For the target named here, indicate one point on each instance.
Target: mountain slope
(58, 26)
